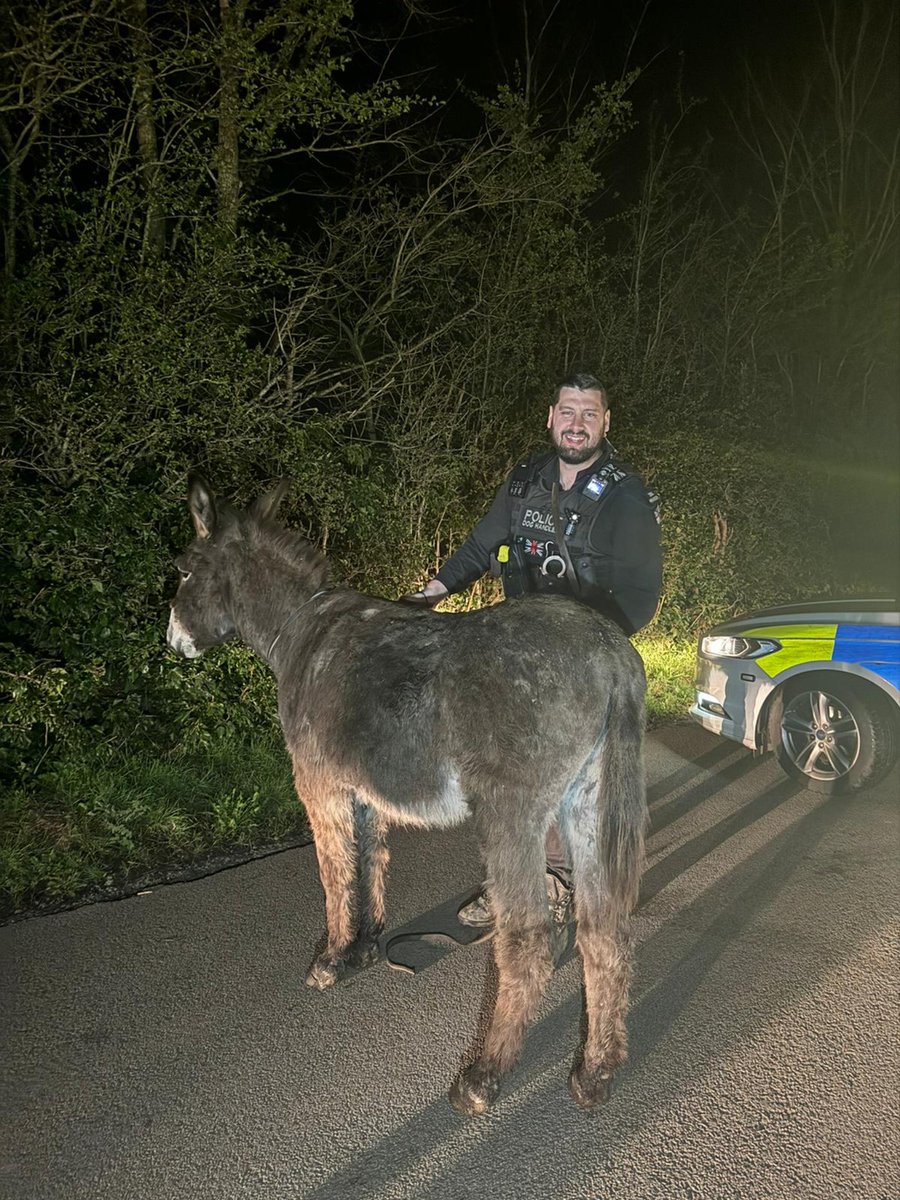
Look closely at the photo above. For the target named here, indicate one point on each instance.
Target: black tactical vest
(536, 563)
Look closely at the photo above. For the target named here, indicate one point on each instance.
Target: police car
(817, 683)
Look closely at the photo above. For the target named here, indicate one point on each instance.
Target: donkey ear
(202, 504)
(266, 506)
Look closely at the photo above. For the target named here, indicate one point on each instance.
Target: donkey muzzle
(179, 639)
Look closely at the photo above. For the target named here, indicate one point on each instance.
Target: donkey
(511, 715)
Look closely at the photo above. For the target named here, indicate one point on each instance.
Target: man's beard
(573, 455)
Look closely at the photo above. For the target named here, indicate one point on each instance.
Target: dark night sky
(707, 40)
(705, 46)
(700, 49)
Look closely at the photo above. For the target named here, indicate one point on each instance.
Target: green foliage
(91, 818)
(670, 664)
(741, 528)
(236, 816)
(391, 352)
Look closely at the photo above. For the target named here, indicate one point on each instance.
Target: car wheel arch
(864, 683)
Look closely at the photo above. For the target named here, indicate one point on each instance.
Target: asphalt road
(165, 1046)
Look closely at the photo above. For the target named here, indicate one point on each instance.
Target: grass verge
(670, 664)
(91, 823)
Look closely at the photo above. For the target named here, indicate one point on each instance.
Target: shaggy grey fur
(513, 715)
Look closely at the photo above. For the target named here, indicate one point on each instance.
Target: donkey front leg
(372, 861)
(333, 831)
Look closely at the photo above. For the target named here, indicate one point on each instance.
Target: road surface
(165, 1046)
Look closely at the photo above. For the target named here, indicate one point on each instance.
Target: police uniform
(608, 520)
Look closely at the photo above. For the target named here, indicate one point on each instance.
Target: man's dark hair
(584, 383)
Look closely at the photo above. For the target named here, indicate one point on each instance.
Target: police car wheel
(834, 737)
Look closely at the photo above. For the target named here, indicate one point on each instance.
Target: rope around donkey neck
(294, 614)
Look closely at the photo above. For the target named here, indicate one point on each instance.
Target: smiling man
(572, 521)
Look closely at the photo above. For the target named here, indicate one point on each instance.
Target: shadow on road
(685, 856)
(439, 1147)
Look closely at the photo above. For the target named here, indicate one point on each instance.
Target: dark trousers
(554, 851)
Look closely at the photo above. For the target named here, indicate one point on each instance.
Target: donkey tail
(623, 801)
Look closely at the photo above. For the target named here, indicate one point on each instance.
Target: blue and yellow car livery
(745, 665)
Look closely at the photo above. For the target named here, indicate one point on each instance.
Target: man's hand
(427, 597)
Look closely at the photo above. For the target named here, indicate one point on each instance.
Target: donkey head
(201, 615)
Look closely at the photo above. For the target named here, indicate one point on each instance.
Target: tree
(824, 228)
(139, 276)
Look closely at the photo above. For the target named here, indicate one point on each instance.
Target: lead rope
(561, 541)
(294, 614)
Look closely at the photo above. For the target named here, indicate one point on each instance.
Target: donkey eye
(185, 575)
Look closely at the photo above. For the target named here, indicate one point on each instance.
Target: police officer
(573, 521)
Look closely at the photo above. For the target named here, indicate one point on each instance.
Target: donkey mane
(292, 549)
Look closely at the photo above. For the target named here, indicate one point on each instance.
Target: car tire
(832, 736)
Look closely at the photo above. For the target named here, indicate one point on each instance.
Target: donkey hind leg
(517, 894)
(372, 861)
(607, 857)
(334, 833)
(605, 949)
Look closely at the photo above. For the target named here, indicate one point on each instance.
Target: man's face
(578, 423)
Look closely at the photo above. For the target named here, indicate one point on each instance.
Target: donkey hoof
(364, 954)
(588, 1088)
(475, 1091)
(324, 973)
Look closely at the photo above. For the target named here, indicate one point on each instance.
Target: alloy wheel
(820, 735)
